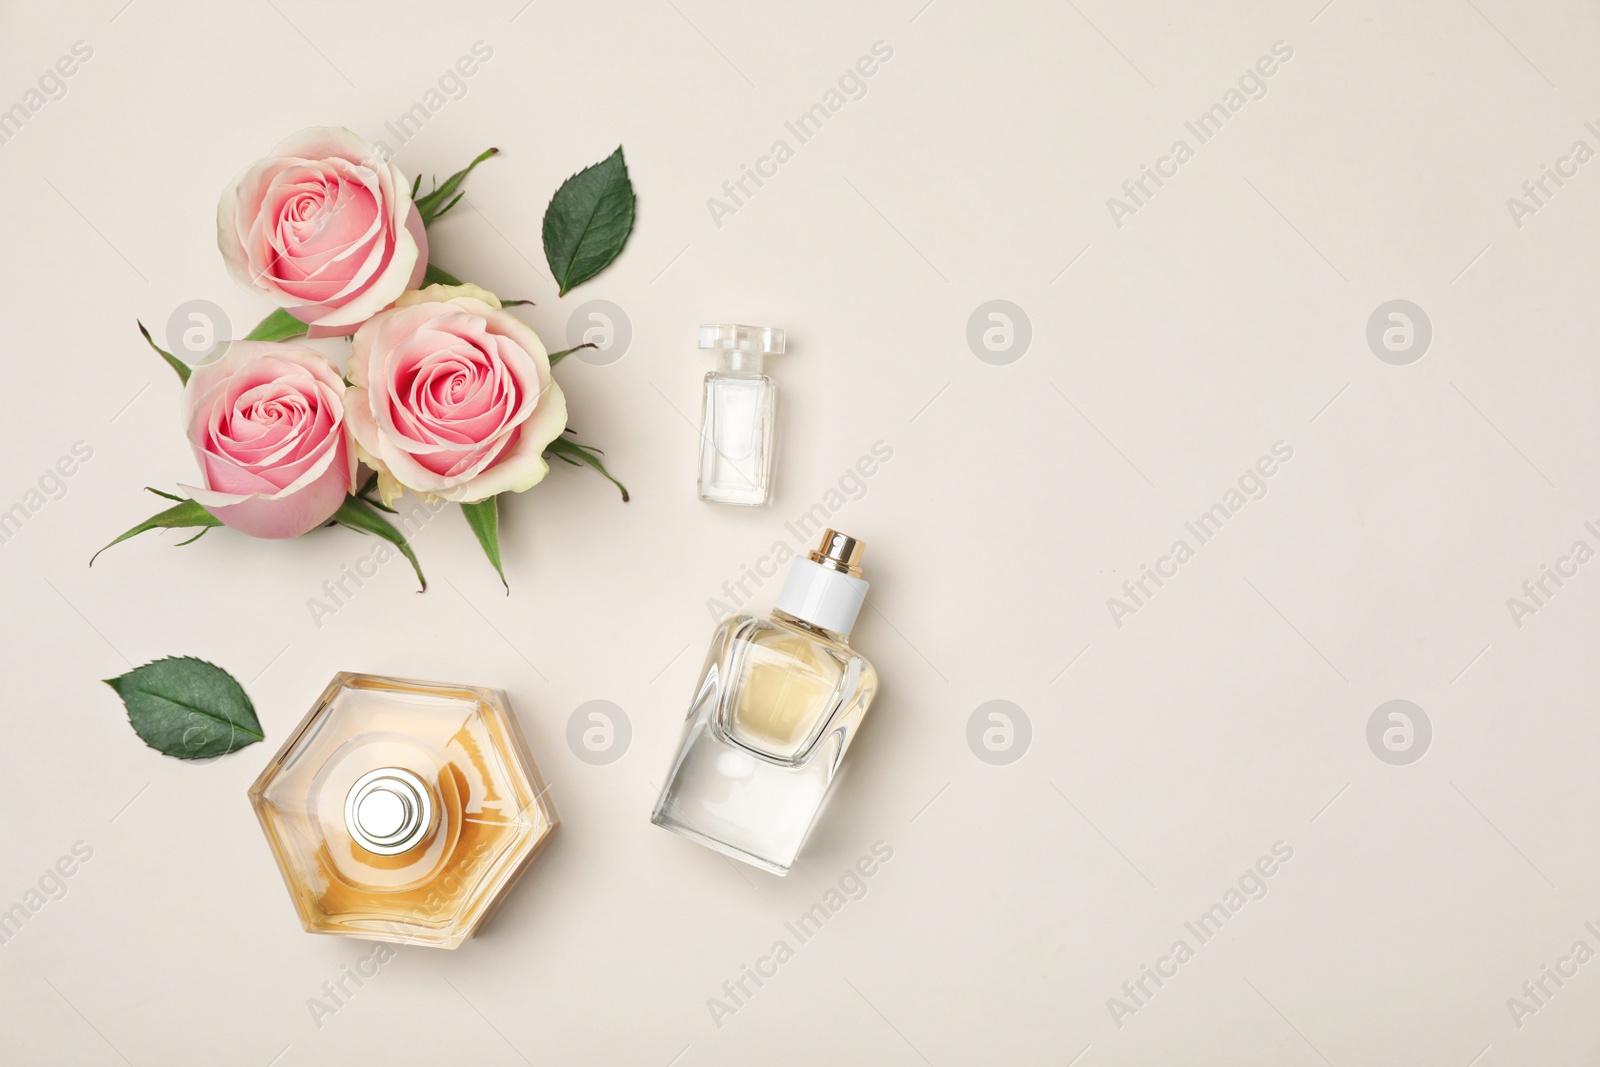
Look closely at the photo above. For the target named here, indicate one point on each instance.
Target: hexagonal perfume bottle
(403, 811)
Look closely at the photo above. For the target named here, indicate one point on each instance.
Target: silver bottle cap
(388, 811)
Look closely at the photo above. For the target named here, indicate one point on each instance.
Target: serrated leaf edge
(234, 728)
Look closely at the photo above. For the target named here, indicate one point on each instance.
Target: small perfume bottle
(403, 811)
(736, 420)
(778, 702)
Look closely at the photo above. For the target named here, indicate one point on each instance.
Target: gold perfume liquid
(403, 811)
(779, 701)
(789, 679)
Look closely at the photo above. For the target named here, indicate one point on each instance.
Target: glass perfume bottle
(778, 702)
(736, 420)
(403, 811)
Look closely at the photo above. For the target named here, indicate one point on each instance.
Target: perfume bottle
(737, 416)
(778, 702)
(403, 811)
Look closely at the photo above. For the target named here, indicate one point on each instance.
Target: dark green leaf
(188, 708)
(278, 326)
(484, 518)
(168, 496)
(439, 200)
(357, 514)
(588, 221)
(557, 357)
(575, 454)
(173, 361)
(179, 516)
(438, 276)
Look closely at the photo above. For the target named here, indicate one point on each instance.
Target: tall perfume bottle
(403, 811)
(737, 416)
(778, 702)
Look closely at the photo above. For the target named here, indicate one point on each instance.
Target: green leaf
(439, 201)
(278, 326)
(484, 518)
(172, 361)
(358, 514)
(557, 357)
(577, 454)
(188, 708)
(438, 276)
(179, 516)
(588, 221)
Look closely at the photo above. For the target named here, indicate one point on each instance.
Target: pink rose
(324, 227)
(452, 397)
(266, 421)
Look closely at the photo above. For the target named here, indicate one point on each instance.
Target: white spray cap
(825, 587)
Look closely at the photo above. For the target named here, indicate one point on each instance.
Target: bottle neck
(810, 627)
(738, 362)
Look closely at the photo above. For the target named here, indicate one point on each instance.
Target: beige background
(1167, 754)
